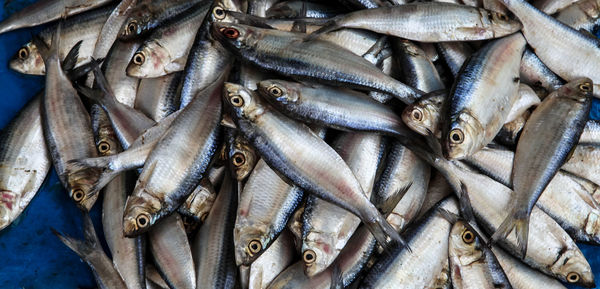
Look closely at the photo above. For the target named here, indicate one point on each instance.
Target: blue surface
(30, 255)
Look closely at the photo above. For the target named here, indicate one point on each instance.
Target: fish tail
(518, 221)
(93, 169)
(337, 280)
(81, 164)
(331, 25)
(381, 230)
(71, 58)
(83, 248)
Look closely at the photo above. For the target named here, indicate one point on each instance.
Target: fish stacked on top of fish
(296, 144)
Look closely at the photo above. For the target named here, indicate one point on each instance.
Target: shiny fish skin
(331, 107)
(327, 227)
(417, 70)
(264, 128)
(472, 263)
(84, 27)
(584, 162)
(543, 147)
(317, 60)
(591, 133)
(24, 161)
(429, 22)
(454, 54)
(510, 132)
(301, 9)
(177, 162)
(123, 86)
(522, 276)
(110, 29)
(473, 116)
(169, 245)
(550, 39)
(242, 158)
(46, 11)
(424, 115)
(438, 189)
(536, 74)
(277, 258)
(428, 241)
(265, 205)
(150, 14)
(552, 6)
(583, 14)
(158, 97)
(166, 48)
(527, 98)
(198, 203)
(127, 253)
(565, 198)
(212, 247)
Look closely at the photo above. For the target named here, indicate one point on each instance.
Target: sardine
(527, 98)
(198, 203)
(581, 15)
(159, 97)
(438, 189)
(583, 162)
(473, 116)
(275, 259)
(552, 6)
(428, 22)
(212, 247)
(301, 9)
(535, 73)
(322, 171)
(454, 54)
(24, 161)
(242, 158)
(522, 276)
(417, 70)
(543, 147)
(259, 7)
(591, 133)
(112, 26)
(123, 86)
(510, 132)
(321, 61)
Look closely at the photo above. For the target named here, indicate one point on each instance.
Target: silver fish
(533, 169)
(581, 15)
(522, 276)
(454, 54)
(552, 6)
(159, 97)
(417, 70)
(276, 258)
(591, 133)
(123, 86)
(198, 203)
(535, 73)
(242, 158)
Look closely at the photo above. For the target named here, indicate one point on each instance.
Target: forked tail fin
(520, 222)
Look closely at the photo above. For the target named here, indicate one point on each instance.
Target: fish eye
(254, 247)
(238, 160)
(236, 101)
(502, 17)
(78, 195)
(132, 27)
(275, 91)
(139, 58)
(230, 33)
(203, 217)
(417, 114)
(309, 256)
(219, 13)
(23, 53)
(586, 87)
(468, 237)
(456, 136)
(103, 147)
(142, 221)
(573, 277)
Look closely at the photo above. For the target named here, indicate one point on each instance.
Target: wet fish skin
(177, 162)
(424, 115)
(591, 133)
(583, 162)
(263, 127)
(428, 22)
(169, 245)
(242, 158)
(84, 27)
(550, 7)
(510, 132)
(522, 276)
(317, 60)
(536, 74)
(532, 169)
(417, 70)
(454, 54)
(472, 263)
(438, 189)
(300, 9)
(279, 256)
(42, 12)
(24, 161)
(159, 97)
(123, 86)
(472, 116)
(198, 203)
(557, 39)
(581, 15)
(150, 14)
(526, 100)
(265, 205)
(212, 247)
(259, 7)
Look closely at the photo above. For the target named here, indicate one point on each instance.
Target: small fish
(242, 158)
(158, 97)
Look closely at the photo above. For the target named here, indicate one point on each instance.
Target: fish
(428, 241)
(473, 116)
(90, 250)
(327, 227)
(322, 61)
(301, 9)
(472, 262)
(159, 97)
(177, 163)
(147, 15)
(582, 162)
(127, 253)
(551, 7)
(266, 204)
(124, 87)
(242, 158)
(522, 276)
(110, 29)
(526, 100)
(212, 246)
(172, 253)
(198, 203)
(580, 15)
(263, 127)
(510, 132)
(533, 169)
(550, 39)
(535, 73)
(259, 7)
(418, 70)
(428, 22)
(45, 11)
(24, 161)
(84, 27)
(437, 190)
(166, 49)
(591, 133)
(454, 54)
(268, 265)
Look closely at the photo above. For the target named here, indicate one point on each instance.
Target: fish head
(244, 103)
(139, 21)
(150, 61)
(141, 212)
(201, 200)
(464, 245)
(242, 158)
(422, 116)
(579, 90)
(82, 186)
(464, 137)
(28, 60)
(234, 36)
(502, 25)
(317, 255)
(250, 241)
(218, 12)
(572, 267)
(279, 91)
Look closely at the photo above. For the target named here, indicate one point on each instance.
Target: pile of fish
(324, 144)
